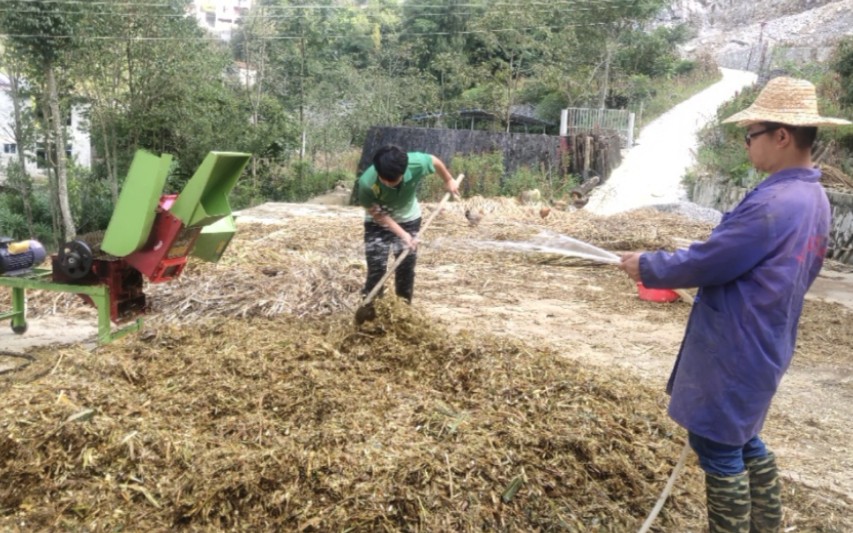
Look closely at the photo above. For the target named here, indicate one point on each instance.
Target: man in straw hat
(752, 273)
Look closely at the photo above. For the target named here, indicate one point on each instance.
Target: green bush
(483, 173)
(685, 67)
(550, 107)
(300, 181)
(640, 87)
(244, 194)
(721, 147)
(432, 189)
(660, 94)
(13, 223)
(550, 185)
(92, 206)
(521, 180)
(842, 63)
(563, 186)
(484, 176)
(723, 154)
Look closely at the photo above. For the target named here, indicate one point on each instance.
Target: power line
(157, 15)
(446, 9)
(87, 3)
(102, 14)
(246, 18)
(261, 13)
(399, 6)
(255, 15)
(403, 6)
(291, 37)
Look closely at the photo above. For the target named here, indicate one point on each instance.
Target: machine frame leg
(19, 309)
(39, 280)
(18, 314)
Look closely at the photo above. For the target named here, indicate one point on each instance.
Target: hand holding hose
(630, 264)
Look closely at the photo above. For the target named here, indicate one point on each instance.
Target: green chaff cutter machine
(150, 234)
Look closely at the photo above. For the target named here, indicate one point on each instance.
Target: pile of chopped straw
(254, 403)
(315, 425)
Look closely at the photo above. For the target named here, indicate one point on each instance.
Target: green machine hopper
(150, 234)
(196, 222)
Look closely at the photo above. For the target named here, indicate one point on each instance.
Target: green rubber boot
(728, 503)
(765, 491)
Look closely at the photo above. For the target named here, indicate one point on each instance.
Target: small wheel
(19, 330)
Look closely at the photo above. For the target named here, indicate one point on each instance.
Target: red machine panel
(164, 256)
(125, 285)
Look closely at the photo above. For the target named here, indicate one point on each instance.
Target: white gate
(586, 120)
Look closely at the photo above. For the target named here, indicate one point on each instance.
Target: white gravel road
(652, 170)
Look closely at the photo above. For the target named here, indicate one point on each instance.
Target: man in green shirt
(388, 191)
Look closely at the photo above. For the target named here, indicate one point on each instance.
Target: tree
(602, 26)
(171, 93)
(102, 74)
(21, 130)
(251, 46)
(650, 53)
(41, 32)
(511, 42)
(300, 37)
(843, 65)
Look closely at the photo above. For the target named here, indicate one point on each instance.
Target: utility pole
(763, 49)
(757, 46)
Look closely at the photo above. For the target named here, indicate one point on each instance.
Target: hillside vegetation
(721, 151)
(300, 81)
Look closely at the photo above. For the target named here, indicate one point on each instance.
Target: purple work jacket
(753, 273)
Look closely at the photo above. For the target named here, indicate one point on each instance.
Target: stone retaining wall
(710, 192)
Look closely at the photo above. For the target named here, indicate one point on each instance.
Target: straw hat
(786, 101)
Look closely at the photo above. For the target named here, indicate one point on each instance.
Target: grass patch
(666, 93)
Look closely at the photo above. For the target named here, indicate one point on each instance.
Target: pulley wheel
(75, 259)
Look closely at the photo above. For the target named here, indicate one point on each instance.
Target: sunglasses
(749, 136)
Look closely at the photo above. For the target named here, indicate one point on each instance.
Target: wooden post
(631, 129)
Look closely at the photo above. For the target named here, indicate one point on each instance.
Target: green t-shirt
(401, 202)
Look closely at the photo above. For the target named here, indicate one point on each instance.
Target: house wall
(77, 136)
(220, 16)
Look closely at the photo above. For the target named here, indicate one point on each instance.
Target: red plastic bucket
(656, 295)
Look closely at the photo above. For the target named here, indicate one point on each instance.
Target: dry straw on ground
(254, 403)
(287, 423)
(312, 269)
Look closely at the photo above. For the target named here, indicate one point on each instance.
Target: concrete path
(652, 171)
(47, 330)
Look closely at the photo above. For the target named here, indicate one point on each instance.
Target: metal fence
(585, 120)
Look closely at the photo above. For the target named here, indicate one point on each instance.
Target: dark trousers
(724, 460)
(378, 241)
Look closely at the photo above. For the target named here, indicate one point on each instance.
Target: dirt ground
(592, 314)
(50, 329)
(810, 423)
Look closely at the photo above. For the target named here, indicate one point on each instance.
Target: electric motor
(18, 257)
